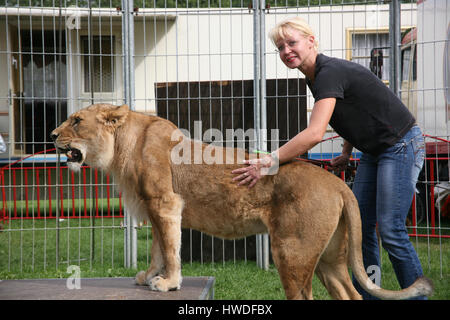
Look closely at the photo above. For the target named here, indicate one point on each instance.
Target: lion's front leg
(156, 263)
(166, 221)
(170, 245)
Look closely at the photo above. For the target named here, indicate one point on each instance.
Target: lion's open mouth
(73, 154)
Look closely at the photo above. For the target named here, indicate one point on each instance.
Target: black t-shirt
(367, 113)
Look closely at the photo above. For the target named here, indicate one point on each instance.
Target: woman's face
(295, 48)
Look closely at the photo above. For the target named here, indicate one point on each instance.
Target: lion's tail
(422, 286)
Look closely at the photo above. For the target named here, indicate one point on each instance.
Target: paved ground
(192, 288)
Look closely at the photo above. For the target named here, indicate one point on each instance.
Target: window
(98, 62)
(40, 88)
(366, 44)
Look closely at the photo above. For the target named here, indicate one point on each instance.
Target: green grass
(27, 250)
(69, 206)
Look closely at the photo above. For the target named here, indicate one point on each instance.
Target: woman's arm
(312, 135)
(347, 148)
(301, 143)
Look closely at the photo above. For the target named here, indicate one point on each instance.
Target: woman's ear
(312, 40)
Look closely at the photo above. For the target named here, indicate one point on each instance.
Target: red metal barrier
(431, 181)
(35, 210)
(48, 187)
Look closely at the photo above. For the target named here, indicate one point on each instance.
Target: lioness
(306, 210)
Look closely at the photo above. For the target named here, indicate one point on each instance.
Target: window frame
(114, 63)
(351, 31)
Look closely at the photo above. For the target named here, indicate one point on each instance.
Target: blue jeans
(384, 186)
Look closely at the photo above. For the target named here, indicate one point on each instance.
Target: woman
(371, 118)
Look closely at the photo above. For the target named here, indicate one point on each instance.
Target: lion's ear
(114, 116)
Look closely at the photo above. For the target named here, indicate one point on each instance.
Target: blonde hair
(280, 30)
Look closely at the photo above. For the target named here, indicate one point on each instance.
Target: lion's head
(87, 136)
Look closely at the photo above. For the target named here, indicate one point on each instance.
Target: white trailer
(425, 91)
(426, 67)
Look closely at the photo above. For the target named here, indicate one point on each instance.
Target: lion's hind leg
(300, 232)
(336, 279)
(332, 268)
(295, 266)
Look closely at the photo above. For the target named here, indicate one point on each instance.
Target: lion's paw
(141, 279)
(164, 285)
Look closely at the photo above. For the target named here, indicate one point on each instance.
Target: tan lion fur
(311, 215)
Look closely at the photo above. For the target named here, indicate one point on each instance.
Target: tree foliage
(185, 3)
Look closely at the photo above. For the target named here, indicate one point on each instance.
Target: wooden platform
(192, 288)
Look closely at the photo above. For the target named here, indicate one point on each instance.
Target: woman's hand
(340, 162)
(257, 168)
(301, 143)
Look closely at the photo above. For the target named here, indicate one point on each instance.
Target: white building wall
(219, 46)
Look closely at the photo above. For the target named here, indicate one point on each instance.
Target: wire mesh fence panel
(195, 65)
(57, 57)
(425, 90)
(362, 32)
(210, 68)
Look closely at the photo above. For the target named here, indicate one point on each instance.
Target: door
(38, 87)
(16, 91)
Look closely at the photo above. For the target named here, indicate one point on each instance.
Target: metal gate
(202, 65)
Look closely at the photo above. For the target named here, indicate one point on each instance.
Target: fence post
(57, 208)
(256, 100)
(130, 236)
(263, 135)
(394, 42)
(259, 108)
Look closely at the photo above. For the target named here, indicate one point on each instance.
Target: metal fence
(202, 65)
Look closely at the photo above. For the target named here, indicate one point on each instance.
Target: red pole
(3, 195)
(49, 178)
(107, 194)
(73, 193)
(14, 193)
(414, 215)
(26, 191)
(96, 192)
(61, 193)
(432, 197)
(38, 193)
(84, 192)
